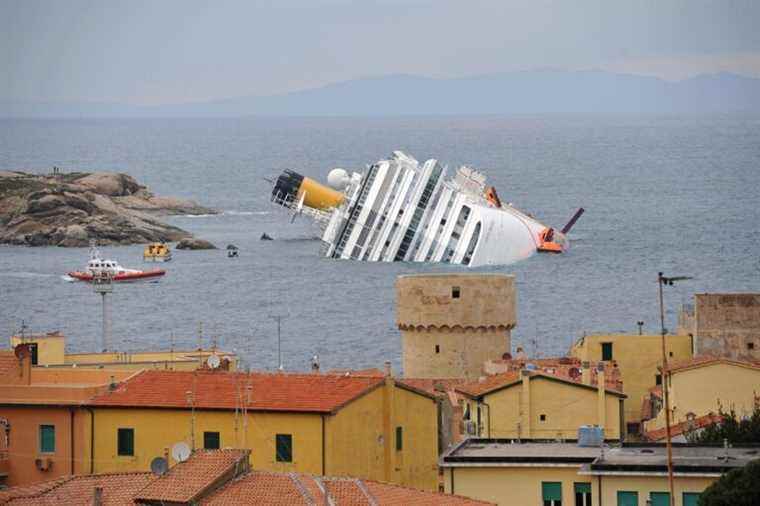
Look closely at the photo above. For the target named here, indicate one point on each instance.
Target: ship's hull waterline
(401, 210)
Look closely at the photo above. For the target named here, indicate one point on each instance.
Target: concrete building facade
(552, 473)
(534, 405)
(452, 323)
(638, 358)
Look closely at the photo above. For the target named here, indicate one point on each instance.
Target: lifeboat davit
(98, 266)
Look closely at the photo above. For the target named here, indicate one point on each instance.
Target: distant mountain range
(529, 92)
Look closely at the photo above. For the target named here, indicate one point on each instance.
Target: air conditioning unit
(43, 463)
(471, 428)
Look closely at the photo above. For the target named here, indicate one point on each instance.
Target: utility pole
(101, 283)
(662, 280)
(278, 318)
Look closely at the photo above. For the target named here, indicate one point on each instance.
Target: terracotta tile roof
(489, 384)
(445, 388)
(260, 488)
(212, 478)
(118, 489)
(190, 480)
(679, 428)
(392, 495)
(321, 393)
(279, 489)
(499, 381)
(30, 490)
(706, 360)
(562, 367)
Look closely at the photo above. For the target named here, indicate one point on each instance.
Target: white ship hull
(399, 210)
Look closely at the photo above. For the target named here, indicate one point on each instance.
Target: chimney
(24, 354)
(586, 372)
(601, 388)
(97, 496)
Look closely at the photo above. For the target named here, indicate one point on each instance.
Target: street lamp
(662, 280)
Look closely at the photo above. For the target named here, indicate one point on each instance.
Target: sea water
(673, 194)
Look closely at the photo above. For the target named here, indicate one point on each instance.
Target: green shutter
(211, 440)
(583, 488)
(284, 447)
(47, 438)
(660, 498)
(552, 491)
(606, 351)
(627, 498)
(690, 498)
(399, 439)
(125, 440)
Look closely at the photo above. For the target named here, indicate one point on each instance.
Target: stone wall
(727, 324)
(452, 323)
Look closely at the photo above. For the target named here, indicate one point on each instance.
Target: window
(551, 491)
(690, 498)
(125, 441)
(627, 498)
(437, 348)
(47, 438)
(35, 356)
(399, 439)
(582, 494)
(606, 351)
(542, 418)
(211, 440)
(750, 346)
(632, 428)
(659, 498)
(455, 292)
(658, 379)
(284, 443)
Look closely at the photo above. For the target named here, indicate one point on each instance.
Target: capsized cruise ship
(401, 210)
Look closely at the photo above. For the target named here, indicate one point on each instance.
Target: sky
(176, 51)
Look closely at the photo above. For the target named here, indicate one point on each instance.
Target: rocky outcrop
(193, 243)
(71, 209)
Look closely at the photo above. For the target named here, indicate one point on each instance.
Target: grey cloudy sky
(152, 52)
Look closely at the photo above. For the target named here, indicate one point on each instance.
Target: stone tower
(451, 323)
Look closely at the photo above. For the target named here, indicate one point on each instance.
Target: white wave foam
(246, 213)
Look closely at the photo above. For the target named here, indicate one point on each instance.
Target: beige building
(49, 350)
(536, 405)
(452, 323)
(638, 358)
(723, 324)
(549, 474)
(702, 386)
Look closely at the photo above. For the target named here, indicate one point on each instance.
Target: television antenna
(159, 466)
(180, 451)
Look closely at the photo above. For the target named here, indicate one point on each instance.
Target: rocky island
(70, 209)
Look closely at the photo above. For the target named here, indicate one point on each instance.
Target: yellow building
(536, 405)
(703, 385)
(638, 358)
(49, 350)
(363, 426)
(548, 474)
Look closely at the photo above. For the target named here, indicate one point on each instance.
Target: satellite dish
(159, 466)
(213, 361)
(180, 451)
